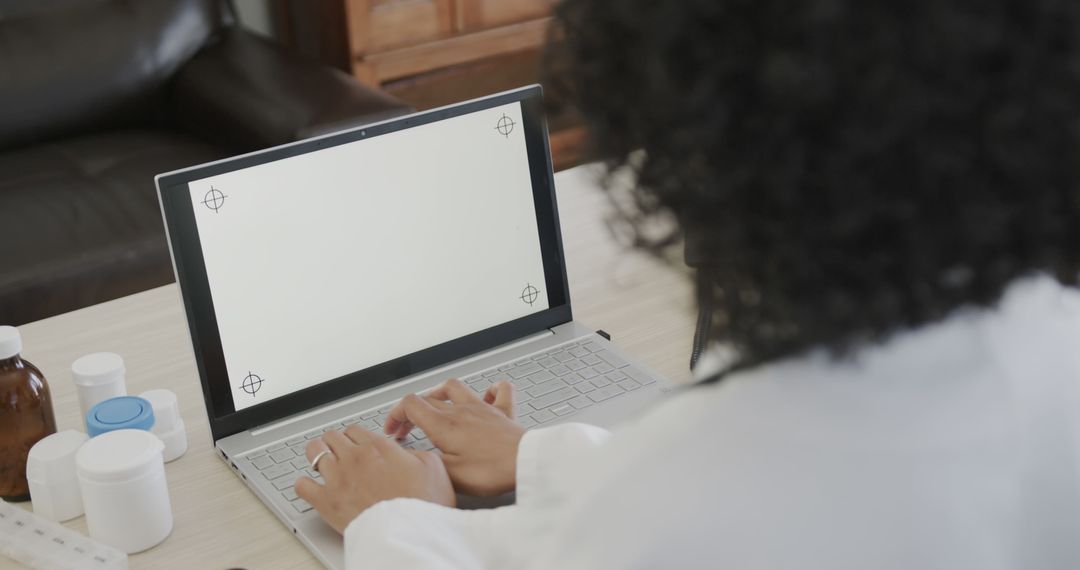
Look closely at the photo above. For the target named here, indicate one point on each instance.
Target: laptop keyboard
(548, 386)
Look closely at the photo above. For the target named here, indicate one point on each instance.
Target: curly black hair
(853, 168)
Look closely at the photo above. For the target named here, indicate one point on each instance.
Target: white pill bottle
(122, 479)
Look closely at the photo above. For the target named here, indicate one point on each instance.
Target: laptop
(324, 280)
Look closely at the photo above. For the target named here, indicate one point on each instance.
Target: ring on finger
(318, 457)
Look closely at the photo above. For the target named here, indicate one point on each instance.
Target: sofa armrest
(248, 93)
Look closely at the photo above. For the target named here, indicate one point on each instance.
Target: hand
(478, 437)
(364, 468)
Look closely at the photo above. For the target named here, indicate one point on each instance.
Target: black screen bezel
(191, 274)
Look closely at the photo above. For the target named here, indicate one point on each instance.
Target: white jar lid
(119, 455)
(52, 459)
(166, 409)
(97, 369)
(10, 342)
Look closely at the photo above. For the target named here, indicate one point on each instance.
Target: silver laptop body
(562, 370)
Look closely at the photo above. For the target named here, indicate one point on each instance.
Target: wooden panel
(452, 51)
(397, 23)
(357, 18)
(475, 15)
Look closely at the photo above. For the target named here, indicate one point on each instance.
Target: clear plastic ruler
(40, 543)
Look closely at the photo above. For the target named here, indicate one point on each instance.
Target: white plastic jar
(122, 479)
(98, 377)
(50, 471)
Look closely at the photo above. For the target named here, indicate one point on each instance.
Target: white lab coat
(956, 446)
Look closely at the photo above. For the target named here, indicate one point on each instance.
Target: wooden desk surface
(645, 306)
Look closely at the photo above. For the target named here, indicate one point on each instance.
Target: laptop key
(523, 371)
(581, 402)
(554, 398)
(295, 440)
(584, 387)
(593, 347)
(284, 483)
(545, 388)
(628, 384)
(563, 356)
(548, 362)
(301, 506)
(298, 450)
(480, 385)
(587, 373)
(613, 359)
(640, 377)
(616, 376)
(562, 409)
(592, 360)
(276, 471)
(521, 383)
(602, 368)
(262, 462)
(575, 365)
(282, 456)
(300, 462)
(290, 494)
(559, 370)
(600, 381)
(578, 352)
(490, 373)
(542, 416)
(276, 447)
(605, 393)
(526, 422)
(542, 376)
(573, 378)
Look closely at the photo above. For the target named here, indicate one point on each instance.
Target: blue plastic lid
(123, 412)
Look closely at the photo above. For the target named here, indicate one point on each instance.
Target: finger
(311, 492)
(363, 437)
(502, 397)
(455, 391)
(413, 410)
(341, 445)
(328, 462)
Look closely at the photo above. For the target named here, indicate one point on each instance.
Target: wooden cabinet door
(475, 15)
(380, 25)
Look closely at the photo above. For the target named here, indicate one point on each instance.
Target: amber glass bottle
(26, 414)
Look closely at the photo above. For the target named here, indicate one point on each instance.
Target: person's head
(852, 167)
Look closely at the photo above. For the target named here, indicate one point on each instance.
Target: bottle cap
(10, 342)
(124, 412)
(97, 369)
(167, 422)
(50, 472)
(119, 455)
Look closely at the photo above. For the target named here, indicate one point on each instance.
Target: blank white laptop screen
(334, 261)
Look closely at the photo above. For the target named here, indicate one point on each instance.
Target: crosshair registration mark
(505, 126)
(251, 383)
(214, 199)
(529, 294)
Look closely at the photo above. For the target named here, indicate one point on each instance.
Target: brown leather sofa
(98, 96)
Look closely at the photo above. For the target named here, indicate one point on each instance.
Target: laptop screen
(334, 261)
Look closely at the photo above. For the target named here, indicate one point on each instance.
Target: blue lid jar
(123, 412)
